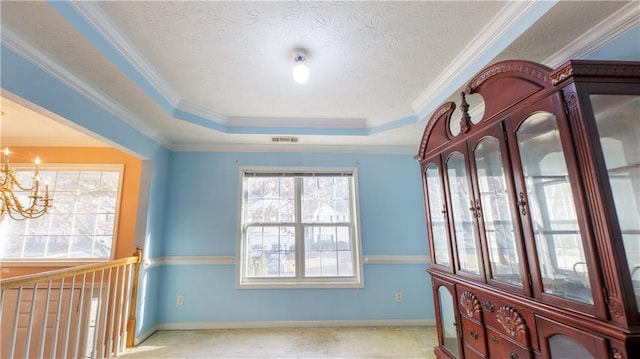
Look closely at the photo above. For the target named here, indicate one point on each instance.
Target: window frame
(82, 167)
(298, 280)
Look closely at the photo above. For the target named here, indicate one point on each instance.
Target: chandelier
(13, 191)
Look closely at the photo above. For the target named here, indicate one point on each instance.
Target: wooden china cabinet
(533, 213)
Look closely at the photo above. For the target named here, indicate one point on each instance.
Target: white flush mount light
(300, 70)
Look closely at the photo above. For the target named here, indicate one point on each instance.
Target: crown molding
(100, 22)
(52, 142)
(359, 123)
(510, 15)
(25, 49)
(476, 54)
(608, 29)
(199, 111)
(294, 147)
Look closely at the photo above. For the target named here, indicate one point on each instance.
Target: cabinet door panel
(446, 318)
(548, 200)
(464, 226)
(496, 212)
(559, 341)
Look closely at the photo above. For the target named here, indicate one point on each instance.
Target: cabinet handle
(475, 208)
(495, 340)
(513, 356)
(444, 209)
(522, 204)
(473, 333)
(489, 307)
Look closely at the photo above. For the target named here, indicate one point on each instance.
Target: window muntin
(299, 228)
(80, 225)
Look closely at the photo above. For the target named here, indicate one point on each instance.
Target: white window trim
(65, 262)
(357, 281)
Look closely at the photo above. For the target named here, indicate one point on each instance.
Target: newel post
(131, 322)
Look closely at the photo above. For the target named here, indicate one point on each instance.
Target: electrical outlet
(399, 297)
(180, 299)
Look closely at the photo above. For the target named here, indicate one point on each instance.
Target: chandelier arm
(4, 178)
(14, 181)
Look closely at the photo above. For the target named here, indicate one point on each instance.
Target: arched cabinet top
(505, 84)
(437, 130)
(501, 85)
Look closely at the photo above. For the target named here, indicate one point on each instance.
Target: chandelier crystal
(13, 190)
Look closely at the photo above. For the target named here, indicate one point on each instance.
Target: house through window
(81, 223)
(299, 228)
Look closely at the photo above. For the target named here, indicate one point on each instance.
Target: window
(299, 229)
(81, 223)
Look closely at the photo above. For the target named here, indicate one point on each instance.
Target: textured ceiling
(214, 75)
(368, 60)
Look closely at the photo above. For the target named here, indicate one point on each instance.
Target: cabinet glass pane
(462, 219)
(438, 221)
(552, 209)
(564, 347)
(496, 213)
(619, 129)
(447, 314)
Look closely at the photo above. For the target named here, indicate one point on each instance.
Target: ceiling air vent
(284, 139)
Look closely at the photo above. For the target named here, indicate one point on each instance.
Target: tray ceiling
(217, 75)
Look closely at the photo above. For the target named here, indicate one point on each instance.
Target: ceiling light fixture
(12, 192)
(300, 70)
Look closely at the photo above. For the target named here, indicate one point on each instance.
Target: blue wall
(203, 221)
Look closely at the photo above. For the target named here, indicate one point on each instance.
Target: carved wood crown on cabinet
(528, 213)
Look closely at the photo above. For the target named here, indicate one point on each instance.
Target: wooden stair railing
(87, 311)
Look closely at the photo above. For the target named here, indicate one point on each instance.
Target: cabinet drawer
(501, 347)
(509, 320)
(473, 335)
(471, 354)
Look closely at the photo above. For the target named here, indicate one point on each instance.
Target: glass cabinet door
(558, 241)
(448, 320)
(496, 212)
(463, 214)
(618, 125)
(437, 213)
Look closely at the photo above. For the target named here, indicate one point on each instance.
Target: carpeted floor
(346, 343)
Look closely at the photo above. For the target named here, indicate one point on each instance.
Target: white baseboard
(297, 324)
(145, 335)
